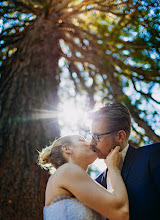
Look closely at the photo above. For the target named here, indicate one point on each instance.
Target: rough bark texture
(29, 83)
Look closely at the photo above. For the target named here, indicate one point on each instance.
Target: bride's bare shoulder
(66, 172)
(69, 169)
(70, 166)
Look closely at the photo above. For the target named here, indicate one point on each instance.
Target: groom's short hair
(115, 115)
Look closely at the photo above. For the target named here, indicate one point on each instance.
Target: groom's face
(106, 142)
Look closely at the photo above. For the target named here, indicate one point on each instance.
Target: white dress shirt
(109, 186)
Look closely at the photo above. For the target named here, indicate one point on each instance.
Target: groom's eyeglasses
(96, 136)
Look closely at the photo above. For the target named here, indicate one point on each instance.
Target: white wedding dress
(69, 208)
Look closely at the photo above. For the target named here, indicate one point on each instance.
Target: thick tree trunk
(28, 83)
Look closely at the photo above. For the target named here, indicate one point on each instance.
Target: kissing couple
(128, 189)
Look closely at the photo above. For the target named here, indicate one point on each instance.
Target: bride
(71, 194)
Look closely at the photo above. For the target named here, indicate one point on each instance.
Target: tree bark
(29, 83)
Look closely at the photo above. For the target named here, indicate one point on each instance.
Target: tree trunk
(29, 83)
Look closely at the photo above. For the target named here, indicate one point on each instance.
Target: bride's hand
(114, 159)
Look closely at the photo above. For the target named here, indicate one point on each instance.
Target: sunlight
(72, 117)
(70, 114)
(44, 114)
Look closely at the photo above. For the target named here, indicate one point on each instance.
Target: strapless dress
(65, 207)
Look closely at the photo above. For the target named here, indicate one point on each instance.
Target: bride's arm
(114, 163)
(79, 183)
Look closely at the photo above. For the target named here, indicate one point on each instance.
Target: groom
(111, 126)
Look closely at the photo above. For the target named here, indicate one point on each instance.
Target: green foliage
(129, 55)
(116, 44)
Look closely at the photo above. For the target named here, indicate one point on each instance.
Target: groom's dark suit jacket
(141, 174)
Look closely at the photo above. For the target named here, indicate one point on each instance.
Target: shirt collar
(124, 151)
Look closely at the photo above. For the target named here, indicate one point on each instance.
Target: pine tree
(114, 44)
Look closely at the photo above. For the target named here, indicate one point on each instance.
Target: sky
(73, 110)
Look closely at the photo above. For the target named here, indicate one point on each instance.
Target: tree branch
(118, 93)
(76, 59)
(148, 95)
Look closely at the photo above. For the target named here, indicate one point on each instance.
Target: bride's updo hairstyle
(52, 155)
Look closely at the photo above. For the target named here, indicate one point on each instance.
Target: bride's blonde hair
(52, 155)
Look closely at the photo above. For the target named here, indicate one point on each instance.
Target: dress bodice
(69, 208)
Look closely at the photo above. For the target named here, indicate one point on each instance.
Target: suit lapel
(104, 178)
(128, 162)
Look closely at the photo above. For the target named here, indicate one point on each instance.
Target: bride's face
(81, 150)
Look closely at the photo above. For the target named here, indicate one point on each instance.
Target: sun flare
(72, 115)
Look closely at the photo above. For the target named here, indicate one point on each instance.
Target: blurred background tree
(111, 52)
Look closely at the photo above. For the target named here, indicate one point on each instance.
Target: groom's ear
(121, 135)
(66, 149)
